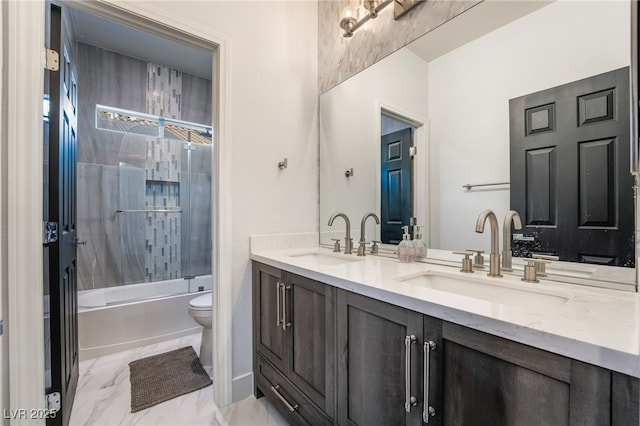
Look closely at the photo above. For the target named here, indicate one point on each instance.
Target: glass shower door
(162, 223)
(197, 218)
(150, 220)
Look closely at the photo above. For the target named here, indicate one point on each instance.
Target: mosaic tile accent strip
(340, 58)
(164, 91)
(164, 158)
(163, 258)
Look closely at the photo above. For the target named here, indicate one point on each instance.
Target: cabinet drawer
(288, 399)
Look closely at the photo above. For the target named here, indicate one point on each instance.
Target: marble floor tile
(103, 396)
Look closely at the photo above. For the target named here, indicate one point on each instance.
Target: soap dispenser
(406, 249)
(419, 245)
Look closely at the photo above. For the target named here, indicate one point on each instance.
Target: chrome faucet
(511, 216)
(494, 257)
(348, 244)
(363, 240)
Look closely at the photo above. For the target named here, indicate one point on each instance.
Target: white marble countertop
(597, 326)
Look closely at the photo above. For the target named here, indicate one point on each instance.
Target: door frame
(22, 184)
(420, 179)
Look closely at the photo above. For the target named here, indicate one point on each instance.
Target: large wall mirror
(450, 91)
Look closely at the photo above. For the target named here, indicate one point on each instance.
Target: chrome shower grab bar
(150, 211)
(469, 186)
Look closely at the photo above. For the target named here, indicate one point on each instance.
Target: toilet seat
(201, 303)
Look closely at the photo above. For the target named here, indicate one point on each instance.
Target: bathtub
(119, 318)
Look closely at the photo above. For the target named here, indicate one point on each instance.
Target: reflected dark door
(62, 210)
(396, 197)
(570, 179)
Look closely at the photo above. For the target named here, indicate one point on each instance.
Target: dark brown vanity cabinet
(388, 354)
(488, 380)
(343, 358)
(294, 328)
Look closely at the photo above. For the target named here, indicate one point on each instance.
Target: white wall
(349, 131)
(273, 101)
(469, 89)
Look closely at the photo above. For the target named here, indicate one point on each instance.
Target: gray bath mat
(159, 378)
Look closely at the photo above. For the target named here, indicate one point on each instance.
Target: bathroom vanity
(343, 339)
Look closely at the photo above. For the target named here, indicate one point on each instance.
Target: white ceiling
(116, 37)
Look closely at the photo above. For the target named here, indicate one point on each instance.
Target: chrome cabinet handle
(291, 408)
(409, 400)
(282, 318)
(285, 324)
(427, 410)
(278, 318)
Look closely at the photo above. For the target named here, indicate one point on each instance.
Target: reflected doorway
(396, 177)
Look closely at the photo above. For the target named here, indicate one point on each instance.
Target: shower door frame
(22, 203)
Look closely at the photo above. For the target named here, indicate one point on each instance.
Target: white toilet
(200, 311)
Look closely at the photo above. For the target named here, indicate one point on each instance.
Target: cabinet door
(371, 362)
(492, 381)
(310, 339)
(625, 400)
(268, 334)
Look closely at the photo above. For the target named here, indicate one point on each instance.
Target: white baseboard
(241, 387)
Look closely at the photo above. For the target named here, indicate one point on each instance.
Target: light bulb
(347, 22)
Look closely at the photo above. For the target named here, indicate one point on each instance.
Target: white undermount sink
(326, 258)
(491, 289)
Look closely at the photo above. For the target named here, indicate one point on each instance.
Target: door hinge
(413, 151)
(1, 327)
(52, 402)
(49, 232)
(51, 60)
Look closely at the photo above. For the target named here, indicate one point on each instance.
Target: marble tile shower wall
(125, 171)
(196, 100)
(340, 58)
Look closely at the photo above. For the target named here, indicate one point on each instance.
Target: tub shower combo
(148, 237)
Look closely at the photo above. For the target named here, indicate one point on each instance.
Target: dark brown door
(396, 197)
(570, 179)
(488, 380)
(372, 357)
(270, 338)
(310, 339)
(62, 210)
